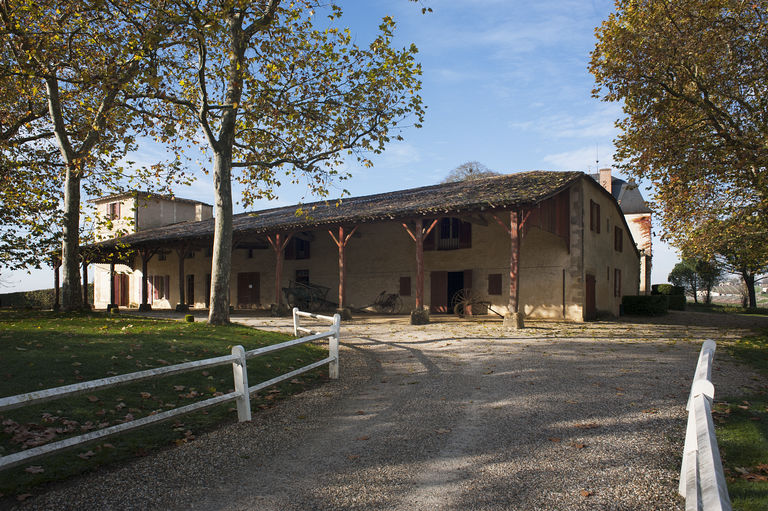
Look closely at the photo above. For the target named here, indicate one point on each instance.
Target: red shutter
(494, 284)
(167, 294)
(465, 236)
(405, 286)
(290, 249)
(439, 286)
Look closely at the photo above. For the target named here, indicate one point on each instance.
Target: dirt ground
(454, 415)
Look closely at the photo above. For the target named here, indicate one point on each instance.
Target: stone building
(547, 244)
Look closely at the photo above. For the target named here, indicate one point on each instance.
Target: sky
(505, 83)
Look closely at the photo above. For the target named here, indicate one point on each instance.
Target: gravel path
(447, 416)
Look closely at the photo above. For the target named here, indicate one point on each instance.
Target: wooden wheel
(461, 301)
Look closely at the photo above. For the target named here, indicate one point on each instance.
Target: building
(547, 244)
(638, 216)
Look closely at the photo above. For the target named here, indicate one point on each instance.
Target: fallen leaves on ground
(34, 469)
(587, 493)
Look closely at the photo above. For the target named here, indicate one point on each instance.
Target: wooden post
(85, 283)
(112, 304)
(182, 253)
(278, 245)
(514, 318)
(56, 285)
(418, 235)
(514, 262)
(341, 242)
(146, 255)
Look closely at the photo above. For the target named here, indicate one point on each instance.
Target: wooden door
(438, 302)
(121, 289)
(590, 309)
(248, 295)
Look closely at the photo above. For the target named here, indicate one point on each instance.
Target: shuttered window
(494, 284)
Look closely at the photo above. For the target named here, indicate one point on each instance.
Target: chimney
(605, 179)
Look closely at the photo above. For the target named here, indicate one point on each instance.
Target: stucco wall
(600, 257)
(552, 269)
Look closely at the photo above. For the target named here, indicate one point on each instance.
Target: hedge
(676, 302)
(653, 305)
(667, 289)
(39, 299)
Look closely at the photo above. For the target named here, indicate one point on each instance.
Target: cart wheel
(398, 305)
(461, 297)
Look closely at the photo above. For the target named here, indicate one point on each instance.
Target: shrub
(189, 318)
(653, 305)
(667, 289)
(676, 302)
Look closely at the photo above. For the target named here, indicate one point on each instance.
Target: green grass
(40, 350)
(726, 308)
(742, 431)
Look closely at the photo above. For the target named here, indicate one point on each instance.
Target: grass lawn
(40, 350)
(742, 432)
(726, 308)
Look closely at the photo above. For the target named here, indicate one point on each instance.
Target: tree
(469, 171)
(709, 273)
(274, 96)
(684, 275)
(692, 75)
(66, 68)
(743, 250)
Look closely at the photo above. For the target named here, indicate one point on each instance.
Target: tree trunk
(72, 297)
(85, 282)
(749, 281)
(221, 263)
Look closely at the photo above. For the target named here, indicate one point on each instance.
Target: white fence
(241, 394)
(702, 482)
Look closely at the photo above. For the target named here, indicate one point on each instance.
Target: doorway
(444, 285)
(455, 284)
(248, 295)
(191, 290)
(590, 308)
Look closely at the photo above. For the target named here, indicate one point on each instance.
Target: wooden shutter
(438, 301)
(465, 236)
(290, 249)
(494, 284)
(405, 286)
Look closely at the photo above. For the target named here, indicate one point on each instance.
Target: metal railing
(702, 481)
(241, 394)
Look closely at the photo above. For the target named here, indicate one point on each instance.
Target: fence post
(333, 348)
(296, 321)
(240, 374)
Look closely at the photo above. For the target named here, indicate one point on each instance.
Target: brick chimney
(605, 179)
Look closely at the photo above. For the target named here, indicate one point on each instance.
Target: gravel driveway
(447, 416)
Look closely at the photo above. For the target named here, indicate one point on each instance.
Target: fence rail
(702, 481)
(241, 394)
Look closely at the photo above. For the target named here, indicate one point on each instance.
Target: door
(455, 284)
(248, 290)
(190, 290)
(208, 290)
(438, 302)
(590, 309)
(121, 289)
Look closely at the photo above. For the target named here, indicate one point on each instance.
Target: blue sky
(505, 83)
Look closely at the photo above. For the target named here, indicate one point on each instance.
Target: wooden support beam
(85, 282)
(56, 285)
(514, 261)
(182, 254)
(146, 255)
(341, 243)
(112, 304)
(279, 242)
(418, 234)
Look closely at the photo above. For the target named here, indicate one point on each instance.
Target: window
(594, 216)
(405, 286)
(113, 210)
(494, 284)
(161, 256)
(302, 276)
(297, 248)
(449, 234)
(617, 282)
(190, 255)
(250, 253)
(618, 239)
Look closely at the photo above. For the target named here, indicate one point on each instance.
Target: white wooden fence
(241, 394)
(702, 482)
